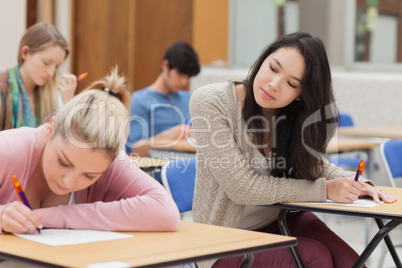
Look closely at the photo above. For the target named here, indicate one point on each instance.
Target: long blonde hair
(39, 37)
(98, 115)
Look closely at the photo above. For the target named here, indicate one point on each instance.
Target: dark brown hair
(307, 125)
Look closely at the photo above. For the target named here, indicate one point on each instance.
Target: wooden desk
(386, 132)
(335, 145)
(392, 212)
(178, 145)
(342, 144)
(191, 242)
(339, 144)
(148, 162)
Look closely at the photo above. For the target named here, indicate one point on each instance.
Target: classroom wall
(12, 27)
(372, 98)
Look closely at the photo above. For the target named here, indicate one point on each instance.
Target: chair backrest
(178, 177)
(391, 155)
(345, 120)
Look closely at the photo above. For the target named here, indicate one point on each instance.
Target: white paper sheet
(366, 203)
(61, 237)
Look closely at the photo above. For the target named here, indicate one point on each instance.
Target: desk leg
(285, 231)
(383, 232)
(389, 243)
(370, 176)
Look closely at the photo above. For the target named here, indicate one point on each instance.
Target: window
(377, 31)
(254, 25)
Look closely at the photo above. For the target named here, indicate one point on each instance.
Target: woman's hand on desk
(377, 194)
(344, 190)
(18, 218)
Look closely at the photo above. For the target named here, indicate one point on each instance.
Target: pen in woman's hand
(21, 194)
(82, 76)
(360, 169)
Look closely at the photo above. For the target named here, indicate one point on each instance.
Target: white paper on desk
(364, 202)
(62, 237)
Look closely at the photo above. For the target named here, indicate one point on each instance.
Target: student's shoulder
(184, 93)
(23, 141)
(143, 97)
(142, 92)
(218, 97)
(213, 90)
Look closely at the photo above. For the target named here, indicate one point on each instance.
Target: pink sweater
(123, 199)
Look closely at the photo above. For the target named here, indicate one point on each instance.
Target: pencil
(82, 76)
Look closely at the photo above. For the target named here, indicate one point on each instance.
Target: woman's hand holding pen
(344, 190)
(18, 218)
(67, 86)
(347, 190)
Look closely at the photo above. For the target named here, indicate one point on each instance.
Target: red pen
(21, 194)
(360, 170)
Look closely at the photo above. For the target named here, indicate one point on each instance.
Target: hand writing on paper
(18, 218)
(347, 190)
(344, 190)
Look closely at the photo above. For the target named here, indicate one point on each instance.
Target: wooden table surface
(336, 144)
(385, 211)
(386, 132)
(191, 242)
(350, 144)
(178, 145)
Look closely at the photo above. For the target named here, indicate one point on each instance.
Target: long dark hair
(306, 125)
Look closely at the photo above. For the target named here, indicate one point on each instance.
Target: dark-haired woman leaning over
(263, 141)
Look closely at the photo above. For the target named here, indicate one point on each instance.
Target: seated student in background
(76, 174)
(263, 141)
(160, 111)
(29, 91)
